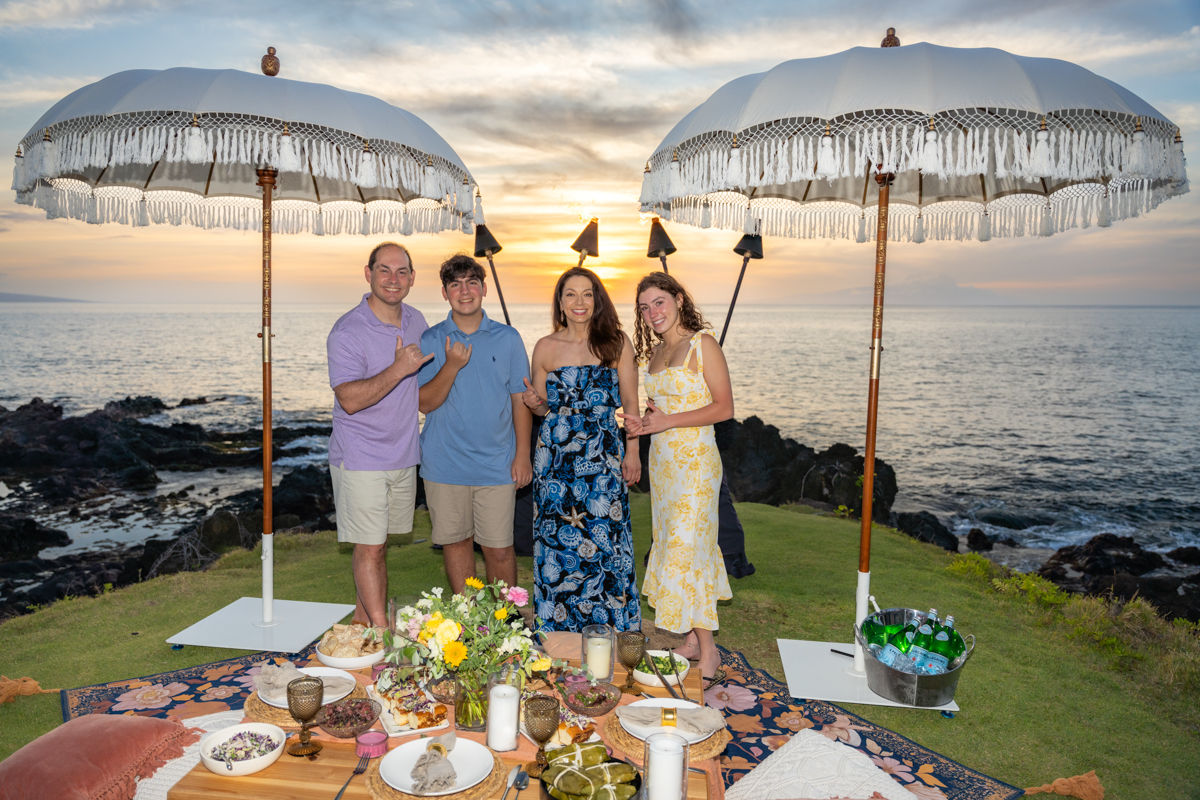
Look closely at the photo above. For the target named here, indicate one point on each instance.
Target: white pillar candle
(503, 710)
(599, 658)
(665, 767)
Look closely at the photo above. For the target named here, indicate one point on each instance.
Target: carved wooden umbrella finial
(890, 40)
(270, 63)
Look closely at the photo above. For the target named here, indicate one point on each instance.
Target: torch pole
(664, 260)
(496, 281)
(733, 302)
(868, 488)
(266, 179)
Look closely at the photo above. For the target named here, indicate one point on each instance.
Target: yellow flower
(541, 665)
(502, 613)
(447, 632)
(455, 652)
(474, 583)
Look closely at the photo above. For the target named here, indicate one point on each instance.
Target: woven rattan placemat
(633, 747)
(488, 788)
(258, 711)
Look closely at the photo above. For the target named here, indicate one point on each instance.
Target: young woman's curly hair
(689, 316)
(604, 333)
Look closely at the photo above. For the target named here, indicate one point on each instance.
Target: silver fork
(359, 770)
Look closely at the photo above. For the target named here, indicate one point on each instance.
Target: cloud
(18, 90)
(83, 14)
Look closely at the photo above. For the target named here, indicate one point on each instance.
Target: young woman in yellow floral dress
(688, 390)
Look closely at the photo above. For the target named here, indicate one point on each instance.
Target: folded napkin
(433, 771)
(272, 681)
(812, 766)
(701, 720)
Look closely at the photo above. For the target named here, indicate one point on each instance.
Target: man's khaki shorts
(463, 512)
(371, 504)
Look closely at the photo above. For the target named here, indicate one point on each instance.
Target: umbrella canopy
(181, 146)
(960, 143)
(982, 143)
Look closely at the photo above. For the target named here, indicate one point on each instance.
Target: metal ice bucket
(901, 687)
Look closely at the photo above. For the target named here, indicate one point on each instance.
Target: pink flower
(219, 693)
(730, 697)
(517, 595)
(841, 730)
(153, 696)
(247, 681)
(896, 769)
(924, 792)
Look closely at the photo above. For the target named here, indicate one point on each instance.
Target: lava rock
(22, 538)
(140, 406)
(1103, 555)
(197, 401)
(978, 541)
(926, 527)
(765, 467)
(1185, 555)
(1172, 596)
(1011, 519)
(222, 530)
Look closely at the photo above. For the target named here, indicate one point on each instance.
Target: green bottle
(921, 651)
(948, 642)
(876, 633)
(896, 652)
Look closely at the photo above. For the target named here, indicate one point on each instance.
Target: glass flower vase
(470, 702)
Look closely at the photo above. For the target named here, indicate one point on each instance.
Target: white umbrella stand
(959, 144)
(230, 149)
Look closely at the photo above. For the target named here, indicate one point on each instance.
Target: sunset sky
(554, 107)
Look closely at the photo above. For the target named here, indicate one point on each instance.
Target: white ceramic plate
(640, 732)
(650, 679)
(389, 723)
(472, 762)
(318, 672)
(250, 765)
(362, 662)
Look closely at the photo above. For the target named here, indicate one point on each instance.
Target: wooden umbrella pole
(496, 281)
(733, 302)
(868, 488)
(266, 179)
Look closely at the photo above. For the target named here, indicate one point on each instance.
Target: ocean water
(1084, 416)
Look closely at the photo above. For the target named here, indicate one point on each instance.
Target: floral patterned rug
(762, 716)
(184, 693)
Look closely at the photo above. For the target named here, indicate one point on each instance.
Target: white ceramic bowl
(250, 765)
(650, 679)
(351, 663)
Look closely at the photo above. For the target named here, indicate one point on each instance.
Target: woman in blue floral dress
(582, 543)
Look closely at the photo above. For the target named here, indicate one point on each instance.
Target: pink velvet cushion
(97, 757)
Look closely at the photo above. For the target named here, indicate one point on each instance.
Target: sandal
(719, 677)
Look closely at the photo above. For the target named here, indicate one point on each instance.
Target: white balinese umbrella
(231, 149)
(960, 143)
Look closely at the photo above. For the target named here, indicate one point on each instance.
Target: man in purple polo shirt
(374, 353)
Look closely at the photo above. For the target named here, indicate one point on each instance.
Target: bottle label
(889, 654)
(930, 663)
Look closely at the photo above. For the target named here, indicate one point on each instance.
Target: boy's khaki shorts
(463, 512)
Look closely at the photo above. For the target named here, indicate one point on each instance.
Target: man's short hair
(375, 254)
(461, 266)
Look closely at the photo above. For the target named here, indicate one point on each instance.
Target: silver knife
(512, 777)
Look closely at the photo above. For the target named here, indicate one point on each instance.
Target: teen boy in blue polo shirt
(475, 445)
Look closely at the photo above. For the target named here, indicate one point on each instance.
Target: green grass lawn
(1037, 704)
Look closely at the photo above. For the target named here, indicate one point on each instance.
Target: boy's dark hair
(460, 266)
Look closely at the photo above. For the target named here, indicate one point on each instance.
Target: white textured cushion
(812, 767)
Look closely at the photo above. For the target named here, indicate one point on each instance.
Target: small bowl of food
(348, 718)
(643, 673)
(241, 749)
(344, 647)
(591, 699)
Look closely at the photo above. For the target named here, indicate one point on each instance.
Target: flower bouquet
(467, 636)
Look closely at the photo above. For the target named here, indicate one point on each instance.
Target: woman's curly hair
(690, 317)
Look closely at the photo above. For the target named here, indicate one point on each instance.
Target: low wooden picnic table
(320, 777)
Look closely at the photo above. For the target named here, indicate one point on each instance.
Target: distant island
(9, 297)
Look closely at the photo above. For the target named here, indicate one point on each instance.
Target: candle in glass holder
(598, 651)
(666, 766)
(504, 706)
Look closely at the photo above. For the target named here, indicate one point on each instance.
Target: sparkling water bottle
(921, 652)
(897, 653)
